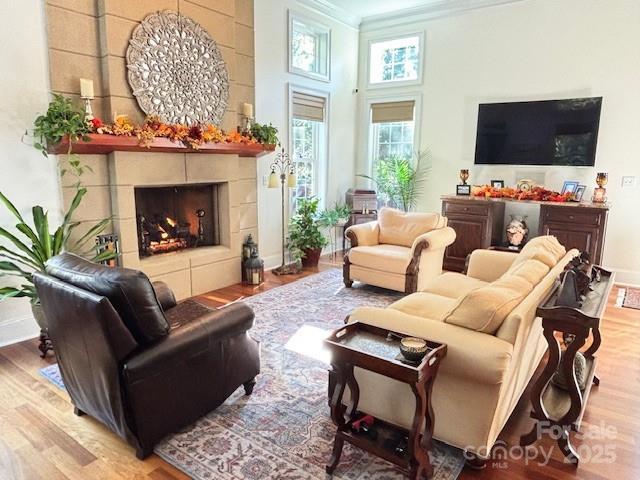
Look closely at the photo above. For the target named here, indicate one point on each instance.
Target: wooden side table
(552, 405)
(372, 348)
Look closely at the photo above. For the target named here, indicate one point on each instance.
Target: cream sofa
(495, 343)
(400, 251)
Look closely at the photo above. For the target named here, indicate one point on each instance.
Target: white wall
(272, 79)
(535, 49)
(26, 177)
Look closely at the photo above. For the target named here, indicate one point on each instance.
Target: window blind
(308, 107)
(392, 112)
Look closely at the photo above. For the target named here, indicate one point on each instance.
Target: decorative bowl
(413, 349)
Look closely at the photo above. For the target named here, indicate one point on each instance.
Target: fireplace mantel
(103, 144)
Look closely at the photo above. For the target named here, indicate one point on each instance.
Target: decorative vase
(517, 231)
(38, 314)
(311, 257)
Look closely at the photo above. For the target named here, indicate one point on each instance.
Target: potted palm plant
(400, 180)
(35, 244)
(306, 241)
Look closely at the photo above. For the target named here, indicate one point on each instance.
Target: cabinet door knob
(571, 217)
(466, 209)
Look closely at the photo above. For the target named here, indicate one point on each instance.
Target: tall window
(392, 129)
(309, 48)
(396, 60)
(308, 130)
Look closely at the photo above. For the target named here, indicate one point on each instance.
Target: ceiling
(368, 8)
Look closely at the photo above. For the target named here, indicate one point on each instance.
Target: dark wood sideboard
(479, 223)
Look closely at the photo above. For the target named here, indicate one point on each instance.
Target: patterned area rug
(283, 430)
(632, 298)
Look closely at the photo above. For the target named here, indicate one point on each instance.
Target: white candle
(247, 110)
(86, 88)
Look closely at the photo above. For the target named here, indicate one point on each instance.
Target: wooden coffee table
(372, 348)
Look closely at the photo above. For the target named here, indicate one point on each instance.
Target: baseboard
(17, 330)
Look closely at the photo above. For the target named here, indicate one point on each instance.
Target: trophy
(599, 193)
(463, 189)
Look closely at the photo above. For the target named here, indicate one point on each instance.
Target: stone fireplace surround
(188, 272)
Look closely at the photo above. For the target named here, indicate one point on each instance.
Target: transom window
(309, 48)
(396, 60)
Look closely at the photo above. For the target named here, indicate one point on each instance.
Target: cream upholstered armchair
(400, 251)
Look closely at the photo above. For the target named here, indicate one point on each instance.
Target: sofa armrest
(363, 234)
(437, 239)
(190, 340)
(489, 265)
(165, 295)
(470, 354)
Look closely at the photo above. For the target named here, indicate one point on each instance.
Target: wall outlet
(628, 181)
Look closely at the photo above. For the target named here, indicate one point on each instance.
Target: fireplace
(177, 217)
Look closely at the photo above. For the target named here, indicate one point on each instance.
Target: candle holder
(600, 193)
(88, 111)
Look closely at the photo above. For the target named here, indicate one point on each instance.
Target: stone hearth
(188, 272)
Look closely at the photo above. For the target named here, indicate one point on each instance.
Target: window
(393, 129)
(397, 60)
(308, 138)
(393, 139)
(309, 48)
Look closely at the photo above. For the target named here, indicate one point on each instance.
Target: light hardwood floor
(41, 438)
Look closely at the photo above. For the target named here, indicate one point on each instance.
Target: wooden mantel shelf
(104, 143)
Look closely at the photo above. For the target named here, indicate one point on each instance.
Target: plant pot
(38, 314)
(311, 257)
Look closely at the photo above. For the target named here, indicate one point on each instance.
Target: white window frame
(397, 83)
(294, 16)
(322, 169)
(369, 127)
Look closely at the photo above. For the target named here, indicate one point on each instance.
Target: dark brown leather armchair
(136, 360)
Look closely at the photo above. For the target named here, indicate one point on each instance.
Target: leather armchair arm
(363, 234)
(489, 265)
(434, 240)
(190, 340)
(165, 295)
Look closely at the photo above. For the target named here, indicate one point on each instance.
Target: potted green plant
(62, 119)
(306, 241)
(400, 180)
(265, 134)
(333, 218)
(29, 251)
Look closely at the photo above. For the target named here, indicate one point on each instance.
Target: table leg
(337, 409)
(418, 454)
(338, 443)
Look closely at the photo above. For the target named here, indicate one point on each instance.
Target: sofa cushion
(400, 228)
(485, 308)
(532, 270)
(426, 305)
(545, 249)
(129, 291)
(386, 258)
(452, 284)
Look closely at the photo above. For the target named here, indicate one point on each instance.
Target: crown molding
(437, 9)
(334, 12)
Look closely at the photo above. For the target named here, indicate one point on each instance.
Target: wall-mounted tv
(549, 132)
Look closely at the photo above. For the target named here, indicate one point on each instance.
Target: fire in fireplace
(176, 218)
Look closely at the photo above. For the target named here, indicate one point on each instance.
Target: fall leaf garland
(191, 135)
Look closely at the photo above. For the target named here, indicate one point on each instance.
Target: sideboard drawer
(467, 208)
(574, 215)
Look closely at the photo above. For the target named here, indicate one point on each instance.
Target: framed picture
(497, 183)
(463, 189)
(579, 193)
(569, 186)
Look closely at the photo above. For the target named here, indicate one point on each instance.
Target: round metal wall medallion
(176, 70)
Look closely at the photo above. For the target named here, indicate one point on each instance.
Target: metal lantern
(247, 248)
(254, 268)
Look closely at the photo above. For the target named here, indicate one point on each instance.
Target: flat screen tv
(549, 132)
